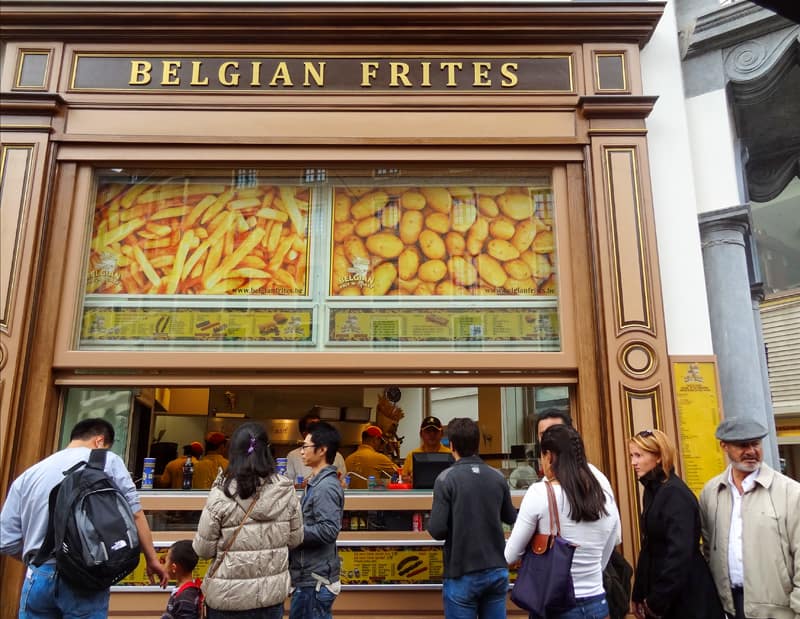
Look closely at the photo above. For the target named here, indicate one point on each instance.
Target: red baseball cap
(374, 431)
(216, 438)
(196, 448)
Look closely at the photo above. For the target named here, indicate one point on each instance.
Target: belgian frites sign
(250, 73)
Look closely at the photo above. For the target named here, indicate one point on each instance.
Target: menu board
(154, 325)
(192, 236)
(697, 400)
(433, 241)
(485, 325)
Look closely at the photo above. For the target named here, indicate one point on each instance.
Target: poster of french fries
(362, 565)
(443, 241)
(196, 236)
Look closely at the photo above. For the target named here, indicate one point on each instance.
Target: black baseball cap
(430, 422)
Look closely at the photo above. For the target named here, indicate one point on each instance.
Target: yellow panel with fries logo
(199, 237)
(362, 565)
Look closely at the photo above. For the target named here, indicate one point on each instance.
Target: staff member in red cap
(215, 450)
(172, 477)
(367, 460)
(430, 431)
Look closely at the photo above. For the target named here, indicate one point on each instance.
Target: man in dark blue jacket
(314, 565)
(471, 500)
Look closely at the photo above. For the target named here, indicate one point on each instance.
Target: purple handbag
(544, 580)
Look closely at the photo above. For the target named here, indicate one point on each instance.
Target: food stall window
(282, 259)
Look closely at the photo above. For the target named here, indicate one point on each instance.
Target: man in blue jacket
(314, 565)
(471, 500)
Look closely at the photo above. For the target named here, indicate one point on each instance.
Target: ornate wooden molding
(617, 106)
(217, 20)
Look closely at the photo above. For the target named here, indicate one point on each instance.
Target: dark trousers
(738, 603)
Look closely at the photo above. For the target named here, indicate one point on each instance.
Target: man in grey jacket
(751, 529)
(314, 565)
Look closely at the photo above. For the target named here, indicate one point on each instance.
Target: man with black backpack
(70, 564)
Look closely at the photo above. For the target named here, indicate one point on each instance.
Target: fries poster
(199, 237)
(443, 241)
(434, 325)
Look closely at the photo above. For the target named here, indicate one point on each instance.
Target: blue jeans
(479, 594)
(594, 607)
(46, 596)
(308, 603)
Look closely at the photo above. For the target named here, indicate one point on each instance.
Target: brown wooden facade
(592, 137)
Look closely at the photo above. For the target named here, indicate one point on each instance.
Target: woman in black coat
(672, 580)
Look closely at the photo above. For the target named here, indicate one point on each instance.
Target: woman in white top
(588, 514)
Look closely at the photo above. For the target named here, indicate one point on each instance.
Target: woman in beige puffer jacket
(253, 575)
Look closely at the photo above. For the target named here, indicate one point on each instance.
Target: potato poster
(442, 241)
(199, 237)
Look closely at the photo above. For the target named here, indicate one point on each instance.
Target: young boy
(187, 600)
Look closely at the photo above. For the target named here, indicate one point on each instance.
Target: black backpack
(91, 529)
(617, 583)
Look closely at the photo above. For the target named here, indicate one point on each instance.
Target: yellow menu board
(153, 325)
(432, 325)
(436, 241)
(197, 236)
(697, 400)
(362, 565)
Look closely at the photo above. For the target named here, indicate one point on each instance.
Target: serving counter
(388, 568)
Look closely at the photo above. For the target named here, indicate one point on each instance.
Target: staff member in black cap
(751, 529)
(430, 431)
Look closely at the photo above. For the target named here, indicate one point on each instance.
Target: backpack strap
(97, 459)
(45, 551)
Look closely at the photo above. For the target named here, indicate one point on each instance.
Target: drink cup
(147, 473)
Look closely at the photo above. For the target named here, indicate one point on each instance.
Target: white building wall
(674, 195)
(717, 181)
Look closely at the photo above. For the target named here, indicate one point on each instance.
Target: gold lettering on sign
(316, 73)
(196, 81)
(451, 67)
(426, 73)
(399, 73)
(229, 73)
(169, 72)
(369, 71)
(481, 72)
(256, 78)
(140, 73)
(509, 71)
(281, 73)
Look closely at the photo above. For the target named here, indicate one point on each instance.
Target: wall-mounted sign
(697, 400)
(259, 73)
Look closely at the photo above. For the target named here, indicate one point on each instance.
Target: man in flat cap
(430, 432)
(751, 529)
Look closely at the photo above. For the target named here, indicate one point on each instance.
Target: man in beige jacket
(751, 529)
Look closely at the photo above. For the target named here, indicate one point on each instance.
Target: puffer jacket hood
(254, 572)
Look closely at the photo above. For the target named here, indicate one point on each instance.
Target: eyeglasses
(305, 446)
(645, 433)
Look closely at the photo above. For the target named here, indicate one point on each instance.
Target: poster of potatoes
(443, 241)
(199, 237)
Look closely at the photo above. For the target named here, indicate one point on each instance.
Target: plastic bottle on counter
(188, 473)
(371, 483)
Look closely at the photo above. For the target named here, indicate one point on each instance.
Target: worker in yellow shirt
(430, 433)
(367, 460)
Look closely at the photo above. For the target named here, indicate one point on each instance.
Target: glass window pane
(315, 259)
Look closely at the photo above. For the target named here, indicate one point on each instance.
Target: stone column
(733, 330)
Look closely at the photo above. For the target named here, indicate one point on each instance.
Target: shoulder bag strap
(551, 502)
(215, 567)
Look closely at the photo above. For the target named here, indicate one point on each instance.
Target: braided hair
(586, 497)
(250, 461)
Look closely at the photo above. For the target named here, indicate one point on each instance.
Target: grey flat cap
(737, 430)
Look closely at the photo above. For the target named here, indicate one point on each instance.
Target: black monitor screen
(427, 466)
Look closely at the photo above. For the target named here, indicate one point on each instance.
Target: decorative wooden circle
(3, 356)
(637, 360)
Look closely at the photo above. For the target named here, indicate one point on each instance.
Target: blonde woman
(672, 578)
